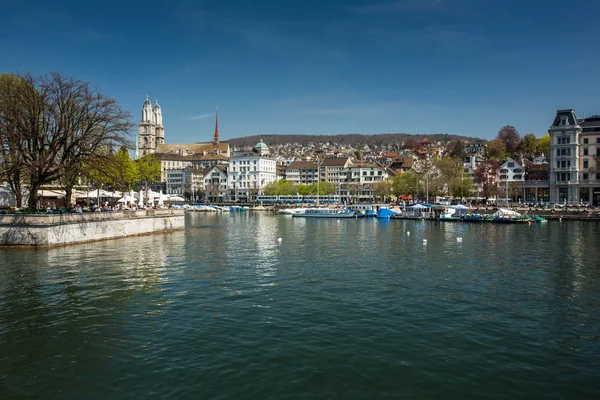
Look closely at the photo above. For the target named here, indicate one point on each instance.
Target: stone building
(151, 131)
(574, 150)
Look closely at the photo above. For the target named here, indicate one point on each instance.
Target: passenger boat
(326, 213)
(291, 211)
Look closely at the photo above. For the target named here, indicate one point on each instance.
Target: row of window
(563, 164)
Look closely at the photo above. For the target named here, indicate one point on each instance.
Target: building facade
(574, 145)
(302, 172)
(249, 173)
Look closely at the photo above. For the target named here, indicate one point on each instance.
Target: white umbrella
(161, 200)
(175, 198)
(127, 199)
(417, 206)
(140, 199)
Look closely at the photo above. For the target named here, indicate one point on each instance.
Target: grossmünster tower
(151, 132)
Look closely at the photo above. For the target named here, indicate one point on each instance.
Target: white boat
(326, 213)
(291, 211)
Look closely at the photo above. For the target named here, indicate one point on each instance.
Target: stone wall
(62, 229)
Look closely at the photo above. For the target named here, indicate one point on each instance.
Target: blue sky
(323, 66)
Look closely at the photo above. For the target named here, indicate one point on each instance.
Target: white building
(574, 151)
(357, 182)
(302, 172)
(151, 132)
(249, 173)
(511, 174)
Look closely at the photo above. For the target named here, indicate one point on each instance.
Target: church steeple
(216, 138)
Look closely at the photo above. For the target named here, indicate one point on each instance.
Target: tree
(13, 92)
(486, 175)
(510, 137)
(383, 189)
(496, 150)
(411, 144)
(450, 172)
(544, 145)
(529, 143)
(405, 184)
(457, 149)
(55, 124)
(464, 188)
(148, 168)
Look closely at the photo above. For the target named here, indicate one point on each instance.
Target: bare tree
(510, 137)
(486, 175)
(62, 124)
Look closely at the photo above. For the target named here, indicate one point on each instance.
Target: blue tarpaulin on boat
(385, 213)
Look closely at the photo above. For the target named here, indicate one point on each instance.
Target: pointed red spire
(216, 139)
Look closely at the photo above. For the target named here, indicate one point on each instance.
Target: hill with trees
(351, 139)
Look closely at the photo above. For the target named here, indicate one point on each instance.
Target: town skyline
(461, 67)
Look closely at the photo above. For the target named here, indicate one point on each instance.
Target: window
(586, 176)
(598, 140)
(585, 151)
(585, 140)
(511, 164)
(586, 164)
(517, 177)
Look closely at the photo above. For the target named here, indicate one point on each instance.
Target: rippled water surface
(336, 309)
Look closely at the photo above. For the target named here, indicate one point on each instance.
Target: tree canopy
(51, 125)
(510, 137)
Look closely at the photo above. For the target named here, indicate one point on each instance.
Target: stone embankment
(42, 230)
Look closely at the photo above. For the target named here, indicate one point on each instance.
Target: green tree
(148, 169)
(529, 143)
(383, 189)
(321, 188)
(464, 188)
(406, 184)
(496, 150)
(457, 149)
(544, 145)
(450, 170)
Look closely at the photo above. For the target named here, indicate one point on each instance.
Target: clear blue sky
(320, 66)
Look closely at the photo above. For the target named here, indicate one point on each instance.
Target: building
(574, 150)
(330, 169)
(511, 174)
(174, 181)
(357, 182)
(151, 132)
(183, 160)
(249, 173)
(302, 172)
(213, 187)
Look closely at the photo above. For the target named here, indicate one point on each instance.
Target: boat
(449, 215)
(291, 211)
(475, 218)
(505, 216)
(326, 213)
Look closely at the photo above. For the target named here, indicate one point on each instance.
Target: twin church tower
(151, 131)
(151, 134)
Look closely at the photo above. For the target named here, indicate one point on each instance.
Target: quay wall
(42, 230)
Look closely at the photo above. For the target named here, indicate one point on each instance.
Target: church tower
(159, 129)
(151, 132)
(216, 138)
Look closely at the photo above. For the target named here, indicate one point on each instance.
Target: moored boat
(326, 213)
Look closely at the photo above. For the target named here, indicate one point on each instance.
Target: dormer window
(564, 121)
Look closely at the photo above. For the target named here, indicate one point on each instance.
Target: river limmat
(334, 309)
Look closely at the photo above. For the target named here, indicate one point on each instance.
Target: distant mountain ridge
(351, 139)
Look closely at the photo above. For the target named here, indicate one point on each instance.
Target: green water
(337, 309)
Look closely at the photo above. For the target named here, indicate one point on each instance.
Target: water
(337, 309)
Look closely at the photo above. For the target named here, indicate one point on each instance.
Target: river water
(335, 309)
